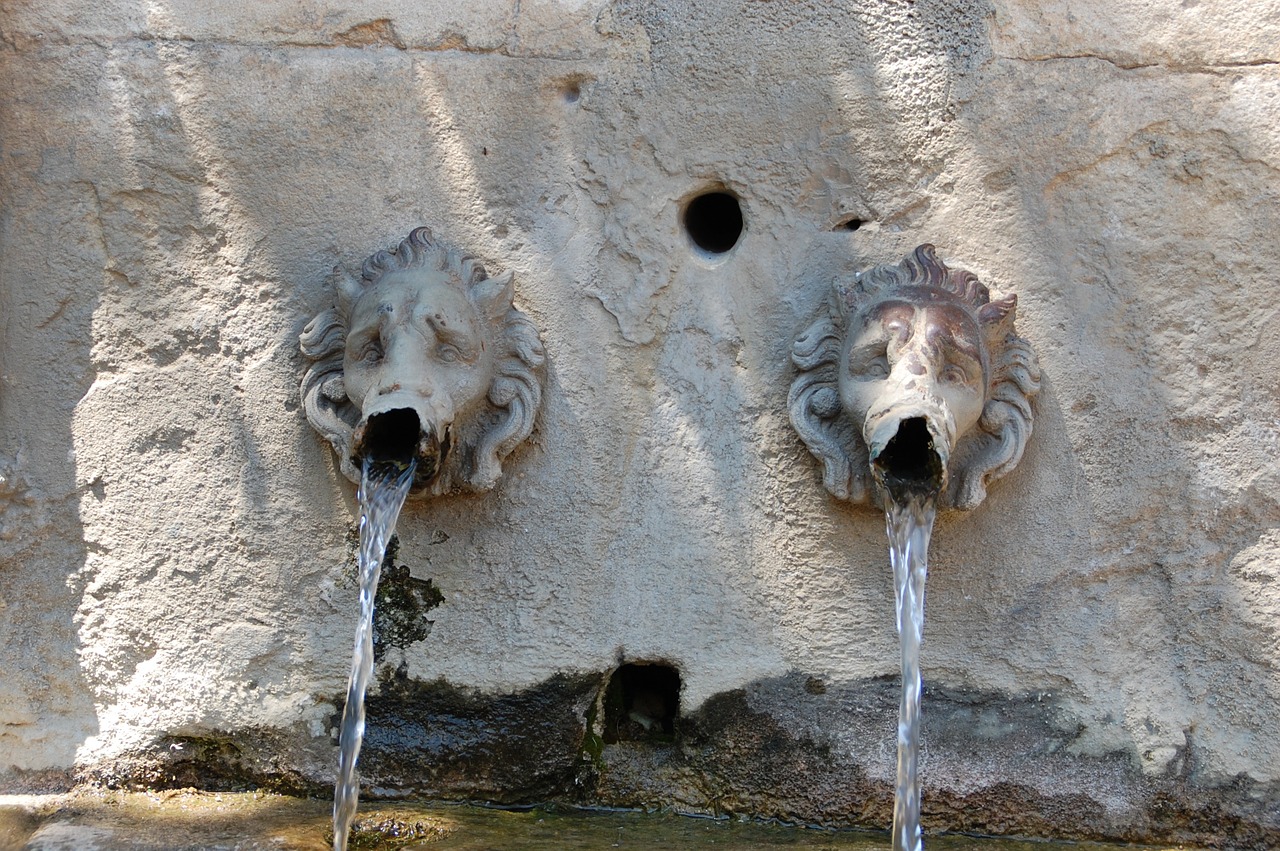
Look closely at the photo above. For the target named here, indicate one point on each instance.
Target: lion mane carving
(436, 334)
(830, 375)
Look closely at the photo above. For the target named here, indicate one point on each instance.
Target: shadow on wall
(1144, 295)
(1098, 539)
(174, 303)
(54, 266)
(141, 496)
(619, 580)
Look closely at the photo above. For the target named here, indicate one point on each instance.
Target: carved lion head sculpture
(424, 357)
(912, 378)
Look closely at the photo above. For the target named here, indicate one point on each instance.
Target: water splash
(383, 488)
(909, 524)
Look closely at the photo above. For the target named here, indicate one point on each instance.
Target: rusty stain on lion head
(919, 347)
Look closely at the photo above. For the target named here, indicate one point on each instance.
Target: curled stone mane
(989, 452)
(514, 395)
(921, 268)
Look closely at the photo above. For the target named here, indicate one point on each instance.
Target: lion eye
(877, 368)
(955, 375)
(448, 353)
(372, 352)
(869, 366)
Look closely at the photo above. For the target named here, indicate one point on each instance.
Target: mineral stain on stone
(376, 33)
(439, 740)
(401, 607)
(793, 748)
(403, 602)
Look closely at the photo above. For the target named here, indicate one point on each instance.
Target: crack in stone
(363, 36)
(1139, 66)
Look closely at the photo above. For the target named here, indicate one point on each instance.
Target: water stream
(383, 488)
(909, 523)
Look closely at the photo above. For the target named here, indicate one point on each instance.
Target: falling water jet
(914, 367)
(911, 472)
(909, 525)
(384, 486)
(408, 411)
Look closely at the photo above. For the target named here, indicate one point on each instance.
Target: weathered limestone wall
(178, 178)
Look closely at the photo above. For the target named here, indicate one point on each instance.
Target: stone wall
(179, 179)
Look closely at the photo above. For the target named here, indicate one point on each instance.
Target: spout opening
(910, 465)
(391, 436)
(397, 437)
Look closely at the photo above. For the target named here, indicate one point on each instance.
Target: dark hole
(391, 436)
(642, 703)
(909, 465)
(572, 92)
(714, 222)
(850, 224)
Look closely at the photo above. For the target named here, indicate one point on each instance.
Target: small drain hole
(642, 703)
(850, 224)
(713, 221)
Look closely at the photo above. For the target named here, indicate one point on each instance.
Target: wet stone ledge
(436, 741)
(793, 749)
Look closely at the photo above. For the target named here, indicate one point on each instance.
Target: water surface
(200, 821)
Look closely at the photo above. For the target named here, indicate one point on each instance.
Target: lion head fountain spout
(912, 381)
(424, 358)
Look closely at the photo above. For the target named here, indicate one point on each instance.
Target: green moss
(385, 832)
(400, 609)
(402, 600)
(592, 741)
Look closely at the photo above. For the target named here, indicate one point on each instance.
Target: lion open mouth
(909, 464)
(398, 437)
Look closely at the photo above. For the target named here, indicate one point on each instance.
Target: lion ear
(494, 295)
(348, 290)
(999, 311)
(844, 299)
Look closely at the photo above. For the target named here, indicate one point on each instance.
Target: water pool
(187, 820)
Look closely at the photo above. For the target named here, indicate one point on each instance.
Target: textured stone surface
(179, 179)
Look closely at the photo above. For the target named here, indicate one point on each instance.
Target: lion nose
(423, 389)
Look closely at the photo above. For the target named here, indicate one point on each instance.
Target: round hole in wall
(850, 224)
(713, 221)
